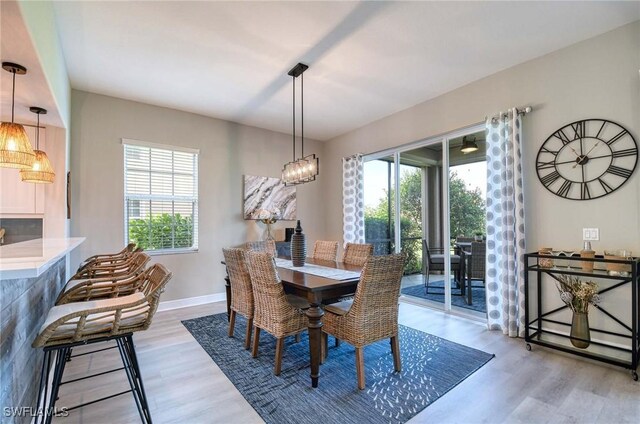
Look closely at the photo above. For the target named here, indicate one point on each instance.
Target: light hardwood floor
(184, 385)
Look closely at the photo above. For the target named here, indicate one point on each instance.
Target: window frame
(169, 198)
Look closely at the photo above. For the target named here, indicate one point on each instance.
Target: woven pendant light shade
(41, 172)
(15, 148)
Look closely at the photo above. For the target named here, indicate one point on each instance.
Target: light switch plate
(590, 234)
(595, 234)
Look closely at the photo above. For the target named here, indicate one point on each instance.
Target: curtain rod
(521, 111)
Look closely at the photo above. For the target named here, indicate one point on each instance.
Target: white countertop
(29, 259)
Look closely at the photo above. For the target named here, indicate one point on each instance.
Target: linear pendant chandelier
(41, 172)
(15, 148)
(305, 168)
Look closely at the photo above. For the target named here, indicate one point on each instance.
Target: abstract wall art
(267, 197)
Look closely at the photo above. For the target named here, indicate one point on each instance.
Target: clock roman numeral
(606, 187)
(616, 137)
(546, 165)
(620, 172)
(584, 191)
(562, 137)
(601, 128)
(625, 152)
(579, 129)
(564, 188)
(553, 152)
(548, 179)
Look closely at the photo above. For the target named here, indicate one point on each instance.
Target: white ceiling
(32, 89)
(367, 59)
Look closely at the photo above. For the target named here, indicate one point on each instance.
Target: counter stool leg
(42, 388)
(129, 360)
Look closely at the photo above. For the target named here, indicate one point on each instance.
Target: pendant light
(15, 148)
(306, 168)
(468, 145)
(41, 172)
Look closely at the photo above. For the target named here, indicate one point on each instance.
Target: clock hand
(580, 158)
(574, 151)
(591, 150)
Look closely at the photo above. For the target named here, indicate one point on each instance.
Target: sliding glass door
(427, 200)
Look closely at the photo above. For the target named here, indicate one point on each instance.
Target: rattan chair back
(106, 317)
(122, 267)
(357, 254)
(273, 313)
(268, 246)
(325, 250)
(240, 281)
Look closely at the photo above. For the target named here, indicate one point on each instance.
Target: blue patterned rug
(431, 366)
(436, 294)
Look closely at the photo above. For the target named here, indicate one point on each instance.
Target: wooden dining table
(315, 290)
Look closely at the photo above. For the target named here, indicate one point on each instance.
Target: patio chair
(435, 262)
(476, 266)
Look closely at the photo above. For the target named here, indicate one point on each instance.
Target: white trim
(132, 142)
(191, 301)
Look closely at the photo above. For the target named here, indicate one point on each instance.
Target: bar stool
(96, 321)
(121, 282)
(120, 267)
(110, 257)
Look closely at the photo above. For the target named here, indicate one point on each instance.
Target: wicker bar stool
(119, 268)
(107, 258)
(121, 284)
(373, 313)
(273, 313)
(357, 254)
(325, 250)
(241, 290)
(83, 323)
(268, 246)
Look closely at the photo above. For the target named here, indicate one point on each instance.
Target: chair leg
(297, 338)
(232, 322)
(43, 387)
(247, 336)
(279, 349)
(395, 349)
(360, 367)
(337, 342)
(58, 371)
(256, 340)
(325, 347)
(129, 360)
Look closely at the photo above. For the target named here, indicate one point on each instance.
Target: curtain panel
(505, 225)
(353, 199)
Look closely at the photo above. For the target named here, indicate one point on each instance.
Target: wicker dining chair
(357, 254)
(125, 282)
(325, 250)
(241, 291)
(373, 313)
(80, 323)
(268, 246)
(273, 313)
(110, 258)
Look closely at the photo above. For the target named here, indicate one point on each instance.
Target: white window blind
(161, 196)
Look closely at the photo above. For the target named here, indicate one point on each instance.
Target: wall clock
(587, 159)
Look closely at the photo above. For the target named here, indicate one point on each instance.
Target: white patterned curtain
(505, 225)
(353, 199)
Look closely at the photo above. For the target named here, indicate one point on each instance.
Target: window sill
(170, 252)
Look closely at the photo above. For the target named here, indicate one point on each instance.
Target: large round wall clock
(587, 159)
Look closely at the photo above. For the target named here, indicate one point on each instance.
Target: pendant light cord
(13, 94)
(302, 115)
(38, 133)
(294, 119)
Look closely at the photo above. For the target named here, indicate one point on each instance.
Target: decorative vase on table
(580, 334)
(298, 246)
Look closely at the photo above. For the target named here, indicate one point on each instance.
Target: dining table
(318, 282)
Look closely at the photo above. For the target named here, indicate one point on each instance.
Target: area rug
(431, 366)
(436, 294)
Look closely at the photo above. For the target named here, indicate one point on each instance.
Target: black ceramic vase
(298, 247)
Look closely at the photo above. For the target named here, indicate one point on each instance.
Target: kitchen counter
(29, 259)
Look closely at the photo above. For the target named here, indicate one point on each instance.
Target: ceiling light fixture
(306, 168)
(468, 145)
(15, 148)
(41, 172)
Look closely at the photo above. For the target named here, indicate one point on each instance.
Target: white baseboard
(191, 301)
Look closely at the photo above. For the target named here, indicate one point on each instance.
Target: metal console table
(544, 323)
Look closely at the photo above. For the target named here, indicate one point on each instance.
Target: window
(160, 196)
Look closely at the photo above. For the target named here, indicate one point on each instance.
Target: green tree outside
(164, 231)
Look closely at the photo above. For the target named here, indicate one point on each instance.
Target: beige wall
(227, 151)
(597, 78)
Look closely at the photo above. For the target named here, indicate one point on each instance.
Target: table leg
(469, 291)
(315, 314)
(227, 287)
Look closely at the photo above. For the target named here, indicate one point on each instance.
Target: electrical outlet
(590, 234)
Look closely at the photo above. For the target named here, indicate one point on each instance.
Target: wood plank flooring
(184, 385)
